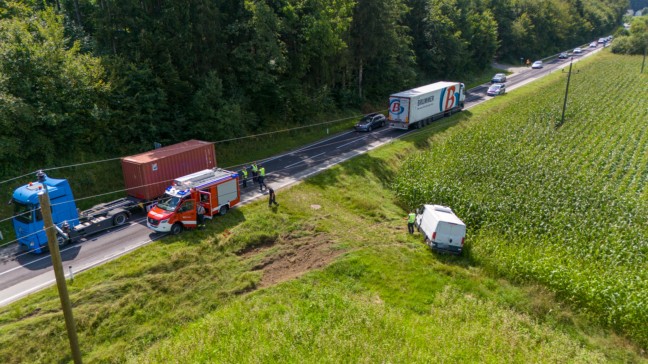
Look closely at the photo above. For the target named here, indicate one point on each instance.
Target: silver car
(496, 89)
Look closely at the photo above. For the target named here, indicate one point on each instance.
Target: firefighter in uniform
(261, 178)
(244, 174)
(411, 218)
(255, 172)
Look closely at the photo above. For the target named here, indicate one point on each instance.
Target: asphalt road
(24, 273)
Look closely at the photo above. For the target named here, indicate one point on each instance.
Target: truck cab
(216, 189)
(28, 220)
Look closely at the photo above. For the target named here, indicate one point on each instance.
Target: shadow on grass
(217, 225)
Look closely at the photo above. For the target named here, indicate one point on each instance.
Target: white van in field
(442, 229)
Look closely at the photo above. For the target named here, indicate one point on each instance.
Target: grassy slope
(386, 298)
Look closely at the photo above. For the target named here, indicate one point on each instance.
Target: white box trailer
(442, 229)
(420, 106)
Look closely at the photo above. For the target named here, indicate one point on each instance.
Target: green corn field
(564, 205)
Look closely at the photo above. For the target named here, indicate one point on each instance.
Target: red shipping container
(148, 174)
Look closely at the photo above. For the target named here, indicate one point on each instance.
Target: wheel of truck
(61, 241)
(223, 210)
(428, 242)
(120, 219)
(369, 128)
(176, 228)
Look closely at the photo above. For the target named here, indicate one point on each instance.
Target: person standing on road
(272, 197)
(255, 172)
(200, 211)
(411, 218)
(244, 174)
(261, 178)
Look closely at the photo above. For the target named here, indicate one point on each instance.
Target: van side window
(187, 206)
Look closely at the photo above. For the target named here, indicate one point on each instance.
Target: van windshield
(23, 212)
(169, 203)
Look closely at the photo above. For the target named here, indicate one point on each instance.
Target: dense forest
(88, 78)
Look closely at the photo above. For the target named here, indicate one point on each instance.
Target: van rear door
(449, 234)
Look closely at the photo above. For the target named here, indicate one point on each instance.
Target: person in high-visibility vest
(244, 174)
(261, 178)
(255, 172)
(411, 218)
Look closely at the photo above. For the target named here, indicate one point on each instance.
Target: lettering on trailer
(427, 100)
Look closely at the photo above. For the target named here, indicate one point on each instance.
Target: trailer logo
(452, 97)
(395, 107)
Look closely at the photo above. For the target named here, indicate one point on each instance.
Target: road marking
(302, 161)
(84, 268)
(62, 251)
(297, 150)
(353, 141)
(27, 292)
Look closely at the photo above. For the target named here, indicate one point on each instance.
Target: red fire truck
(216, 189)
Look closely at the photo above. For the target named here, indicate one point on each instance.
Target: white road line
(303, 161)
(27, 292)
(48, 256)
(84, 268)
(298, 150)
(353, 141)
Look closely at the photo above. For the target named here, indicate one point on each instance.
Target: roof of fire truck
(182, 186)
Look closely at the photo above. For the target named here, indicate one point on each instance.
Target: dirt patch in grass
(292, 258)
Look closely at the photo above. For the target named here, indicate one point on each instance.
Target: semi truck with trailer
(217, 190)
(420, 106)
(146, 176)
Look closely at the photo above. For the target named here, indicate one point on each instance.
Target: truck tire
(120, 219)
(223, 210)
(176, 228)
(61, 241)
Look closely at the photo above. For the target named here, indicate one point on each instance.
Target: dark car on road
(499, 78)
(371, 122)
(563, 55)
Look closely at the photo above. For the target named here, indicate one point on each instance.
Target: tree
(380, 43)
(50, 91)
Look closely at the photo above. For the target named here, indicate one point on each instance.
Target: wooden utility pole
(43, 199)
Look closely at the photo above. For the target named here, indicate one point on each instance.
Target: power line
(214, 142)
(315, 146)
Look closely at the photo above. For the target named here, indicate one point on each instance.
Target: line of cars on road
(498, 87)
